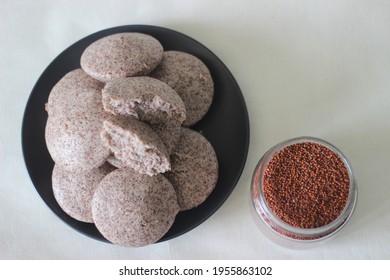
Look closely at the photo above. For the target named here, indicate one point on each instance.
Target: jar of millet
(303, 191)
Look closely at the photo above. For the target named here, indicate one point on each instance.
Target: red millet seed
(306, 185)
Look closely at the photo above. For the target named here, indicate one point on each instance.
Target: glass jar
(287, 233)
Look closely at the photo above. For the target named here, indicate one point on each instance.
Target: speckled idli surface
(169, 133)
(121, 55)
(136, 145)
(74, 191)
(191, 79)
(73, 140)
(134, 210)
(115, 162)
(74, 88)
(145, 98)
(194, 169)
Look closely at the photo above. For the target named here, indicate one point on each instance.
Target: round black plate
(226, 126)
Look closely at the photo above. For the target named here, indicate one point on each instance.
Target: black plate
(226, 126)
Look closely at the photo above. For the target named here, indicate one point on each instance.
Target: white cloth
(318, 68)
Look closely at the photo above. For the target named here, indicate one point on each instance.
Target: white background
(318, 68)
